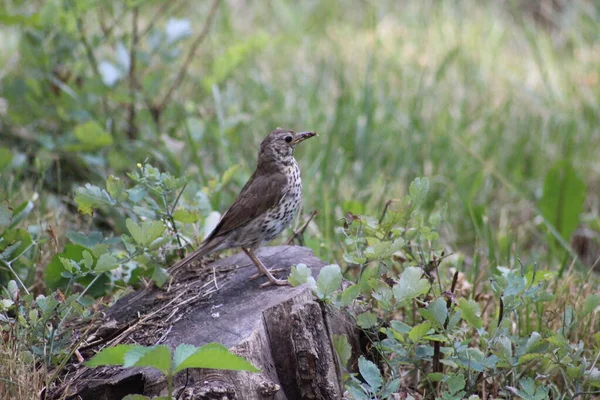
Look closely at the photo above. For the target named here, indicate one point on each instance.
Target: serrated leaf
(471, 312)
(371, 374)
(366, 320)
(158, 357)
(455, 383)
(299, 275)
(328, 281)
(410, 285)
(563, 198)
(152, 231)
(419, 331)
(110, 356)
(116, 188)
(90, 197)
(342, 348)
(215, 356)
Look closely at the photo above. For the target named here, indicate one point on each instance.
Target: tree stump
(283, 331)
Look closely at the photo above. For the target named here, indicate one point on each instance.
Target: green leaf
(13, 243)
(110, 356)
(187, 217)
(116, 189)
(342, 348)
(329, 280)
(563, 198)
(418, 190)
(410, 285)
(370, 373)
(152, 230)
(299, 275)
(5, 155)
(471, 312)
(21, 212)
(135, 230)
(90, 197)
(366, 320)
(229, 173)
(182, 352)
(147, 232)
(158, 357)
(5, 216)
(455, 383)
(436, 311)
(215, 356)
(590, 303)
(593, 377)
(91, 136)
(160, 276)
(349, 294)
(419, 331)
(106, 262)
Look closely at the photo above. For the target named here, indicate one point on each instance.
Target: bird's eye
(288, 139)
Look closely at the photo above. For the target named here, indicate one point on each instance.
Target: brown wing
(261, 192)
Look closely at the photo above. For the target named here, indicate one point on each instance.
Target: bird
(266, 205)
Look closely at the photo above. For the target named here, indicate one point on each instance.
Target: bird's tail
(204, 249)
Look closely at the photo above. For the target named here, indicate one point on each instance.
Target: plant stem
(7, 264)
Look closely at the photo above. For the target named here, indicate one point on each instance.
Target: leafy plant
(416, 325)
(160, 357)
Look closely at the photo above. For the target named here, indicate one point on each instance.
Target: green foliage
(438, 328)
(89, 89)
(562, 199)
(160, 357)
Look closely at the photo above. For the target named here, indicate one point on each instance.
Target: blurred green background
(487, 99)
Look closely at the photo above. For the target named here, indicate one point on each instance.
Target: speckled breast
(281, 216)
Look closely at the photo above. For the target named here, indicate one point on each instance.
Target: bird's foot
(259, 274)
(275, 282)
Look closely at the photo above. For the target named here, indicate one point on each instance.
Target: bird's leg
(263, 270)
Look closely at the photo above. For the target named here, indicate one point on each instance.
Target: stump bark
(283, 331)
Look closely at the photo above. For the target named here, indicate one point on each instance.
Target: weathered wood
(283, 331)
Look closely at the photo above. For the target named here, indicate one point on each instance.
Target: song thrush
(266, 205)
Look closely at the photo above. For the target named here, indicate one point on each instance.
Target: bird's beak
(300, 136)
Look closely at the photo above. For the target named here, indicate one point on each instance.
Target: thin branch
(160, 13)
(300, 231)
(190, 56)
(131, 126)
(7, 264)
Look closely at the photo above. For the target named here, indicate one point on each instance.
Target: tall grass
(479, 97)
